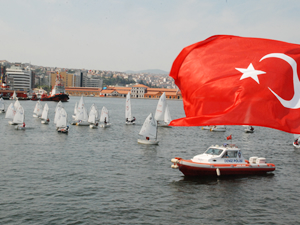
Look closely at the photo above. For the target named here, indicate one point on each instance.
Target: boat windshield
(214, 151)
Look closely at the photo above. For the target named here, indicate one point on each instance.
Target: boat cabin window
(230, 154)
(214, 151)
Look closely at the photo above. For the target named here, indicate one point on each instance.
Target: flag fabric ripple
(231, 80)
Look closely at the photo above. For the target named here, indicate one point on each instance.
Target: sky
(120, 35)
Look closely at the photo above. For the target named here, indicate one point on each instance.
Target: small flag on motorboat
(229, 137)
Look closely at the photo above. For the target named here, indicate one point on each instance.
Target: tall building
(83, 80)
(23, 78)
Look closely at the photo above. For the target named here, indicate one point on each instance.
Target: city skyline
(132, 35)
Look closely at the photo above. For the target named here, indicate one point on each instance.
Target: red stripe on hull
(194, 171)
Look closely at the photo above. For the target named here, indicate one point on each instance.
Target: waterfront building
(141, 91)
(85, 91)
(23, 78)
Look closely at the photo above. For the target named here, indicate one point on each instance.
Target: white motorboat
(222, 160)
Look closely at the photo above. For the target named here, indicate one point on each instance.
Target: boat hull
(19, 127)
(189, 168)
(105, 125)
(58, 97)
(82, 124)
(93, 126)
(147, 142)
(296, 146)
(130, 123)
(44, 122)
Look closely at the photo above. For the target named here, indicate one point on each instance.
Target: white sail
(2, 105)
(104, 114)
(38, 109)
(59, 106)
(128, 115)
(14, 96)
(17, 104)
(62, 118)
(45, 112)
(93, 114)
(167, 115)
(10, 112)
(20, 115)
(75, 109)
(81, 114)
(161, 107)
(149, 128)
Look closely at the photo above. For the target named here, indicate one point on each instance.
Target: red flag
(229, 137)
(232, 80)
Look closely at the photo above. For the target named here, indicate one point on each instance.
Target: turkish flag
(230, 80)
(229, 137)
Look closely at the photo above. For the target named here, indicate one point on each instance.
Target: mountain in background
(153, 71)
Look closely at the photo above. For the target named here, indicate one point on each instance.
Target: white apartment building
(21, 77)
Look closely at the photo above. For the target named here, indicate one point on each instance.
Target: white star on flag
(250, 72)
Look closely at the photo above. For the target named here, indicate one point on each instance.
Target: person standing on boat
(105, 121)
(23, 124)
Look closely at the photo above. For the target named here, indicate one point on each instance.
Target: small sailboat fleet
(104, 118)
(128, 116)
(149, 131)
(162, 113)
(44, 117)
(38, 110)
(2, 106)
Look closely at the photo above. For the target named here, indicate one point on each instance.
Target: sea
(103, 176)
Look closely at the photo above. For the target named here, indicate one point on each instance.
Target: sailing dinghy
(219, 128)
(81, 118)
(61, 123)
(296, 142)
(93, 117)
(19, 118)
(104, 118)
(162, 113)
(248, 129)
(10, 113)
(38, 110)
(128, 116)
(2, 106)
(149, 131)
(44, 117)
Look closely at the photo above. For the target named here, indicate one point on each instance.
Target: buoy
(218, 172)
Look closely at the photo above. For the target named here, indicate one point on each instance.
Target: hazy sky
(124, 35)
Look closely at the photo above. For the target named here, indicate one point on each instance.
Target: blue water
(103, 176)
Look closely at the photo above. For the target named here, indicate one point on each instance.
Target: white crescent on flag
(294, 103)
